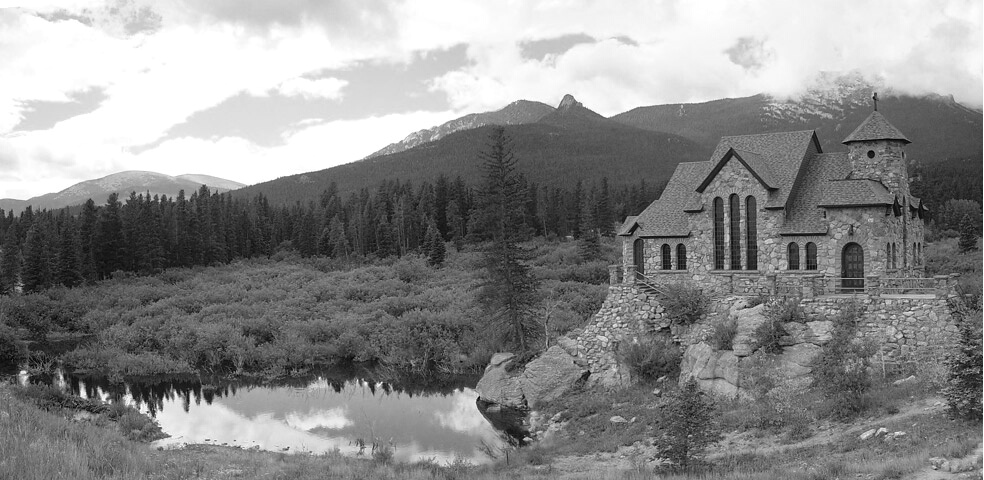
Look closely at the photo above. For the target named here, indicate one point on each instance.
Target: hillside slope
(516, 113)
(570, 144)
(121, 183)
(939, 127)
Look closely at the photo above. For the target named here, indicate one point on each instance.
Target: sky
(253, 90)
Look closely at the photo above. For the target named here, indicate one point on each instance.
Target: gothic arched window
(665, 255)
(751, 234)
(681, 256)
(734, 239)
(895, 257)
(793, 256)
(811, 256)
(718, 233)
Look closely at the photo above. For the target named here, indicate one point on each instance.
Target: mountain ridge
(518, 112)
(122, 183)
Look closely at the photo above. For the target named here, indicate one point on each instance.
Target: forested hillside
(146, 235)
(561, 149)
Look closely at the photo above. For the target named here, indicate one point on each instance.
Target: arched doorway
(852, 268)
(639, 256)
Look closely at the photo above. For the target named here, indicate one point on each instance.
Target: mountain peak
(568, 101)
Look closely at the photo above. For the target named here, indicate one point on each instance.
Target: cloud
(330, 88)
(161, 63)
(750, 53)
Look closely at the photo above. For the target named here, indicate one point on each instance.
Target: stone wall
(901, 325)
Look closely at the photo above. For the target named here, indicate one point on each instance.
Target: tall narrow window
(734, 239)
(751, 233)
(793, 256)
(665, 254)
(811, 256)
(895, 257)
(718, 233)
(888, 256)
(681, 256)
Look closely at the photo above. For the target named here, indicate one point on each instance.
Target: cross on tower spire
(875, 98)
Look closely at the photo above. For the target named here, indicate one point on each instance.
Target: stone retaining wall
(902, 326)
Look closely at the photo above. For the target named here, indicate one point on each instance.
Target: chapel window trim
(751, 233)
(895, 256)
(718, 233)
(792, 256)
(681, 252)
(734, 240)
(811, 256)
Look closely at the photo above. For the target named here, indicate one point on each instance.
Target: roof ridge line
(769, 133)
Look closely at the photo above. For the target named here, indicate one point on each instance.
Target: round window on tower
(871, 154)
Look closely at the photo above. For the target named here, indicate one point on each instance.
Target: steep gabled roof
(754, 162)
(666, 217)
(862, 192)
(780, 154)
(629, 225)
(803, 217)
(875, 127)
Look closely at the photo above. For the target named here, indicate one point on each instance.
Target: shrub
(767, 335)
(964, 365)
(688, 426)
(724, 334)
(683, 302)
(841, 369)
(650, 358)
(776, 402)
(12, 349)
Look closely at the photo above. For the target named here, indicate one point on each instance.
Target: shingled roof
(875, 127)
(803, 217)
(666, 217)
(780, 154)
(861, 192)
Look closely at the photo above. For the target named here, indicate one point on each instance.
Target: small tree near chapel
(509, 291)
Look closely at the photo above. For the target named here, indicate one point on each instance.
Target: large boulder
(545, 378)
(500, 386)
(748, 320)
(797, 360)
(551, 375)
(715, 371)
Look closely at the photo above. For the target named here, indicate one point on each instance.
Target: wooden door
(852, 268)
(639, 256)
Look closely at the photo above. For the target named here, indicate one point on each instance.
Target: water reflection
(314, 414)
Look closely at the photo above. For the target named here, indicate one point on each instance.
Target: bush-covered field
(279, 316)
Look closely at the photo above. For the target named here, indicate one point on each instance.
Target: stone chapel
(775, 206)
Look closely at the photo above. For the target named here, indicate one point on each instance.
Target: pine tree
(603, 211)
(964, 365)
(109, 242)
(434, 246)
(36, 269)
(688, 425)
(69, 273)
(9, 261)
(87, 231)
(509, 290)
(968, 234)
(337, 238)
(589, 245)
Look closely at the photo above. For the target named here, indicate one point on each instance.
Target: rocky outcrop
(719, 371)
(543, 379)
(715, 371)
(748, 320)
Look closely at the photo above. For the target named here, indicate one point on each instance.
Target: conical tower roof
(875, 127)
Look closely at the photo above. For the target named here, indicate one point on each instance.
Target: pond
(318, 413)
